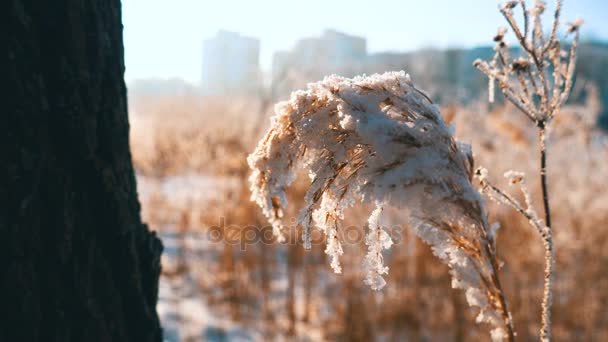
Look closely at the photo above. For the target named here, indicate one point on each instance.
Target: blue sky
(163, 39)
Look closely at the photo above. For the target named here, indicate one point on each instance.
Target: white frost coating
(517, 177)
(494, 227)
(376, 240)
(379, 140)
(491, 83)
(482, 173)
(475, 297)
(326, 218)
(498, 335)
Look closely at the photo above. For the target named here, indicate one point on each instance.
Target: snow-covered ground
(184, 312)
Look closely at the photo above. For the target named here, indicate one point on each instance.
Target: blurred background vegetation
(224, 278)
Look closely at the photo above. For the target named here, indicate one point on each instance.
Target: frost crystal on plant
(381, 141)
(376, 240)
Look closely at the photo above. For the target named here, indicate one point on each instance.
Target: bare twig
(547, 239)
(532, 71)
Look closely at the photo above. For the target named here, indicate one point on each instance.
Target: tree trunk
(77, 263)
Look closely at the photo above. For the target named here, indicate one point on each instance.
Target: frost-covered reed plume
(381, 141)
(538, 83)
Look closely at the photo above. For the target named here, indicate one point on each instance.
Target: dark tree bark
(77, 263)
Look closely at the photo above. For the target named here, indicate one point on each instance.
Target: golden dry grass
(280, 290)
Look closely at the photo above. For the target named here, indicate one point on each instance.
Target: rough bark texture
(77, 263)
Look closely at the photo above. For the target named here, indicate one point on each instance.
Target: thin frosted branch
(537, 31)
(545, 333)
(506, 89)
(553, 34)
(569, 78)
(556, 60)
(507, 12)
(531, 71)
(526, 20)
(500, 196)
(532, 92)
(544, 231)
(526, 88)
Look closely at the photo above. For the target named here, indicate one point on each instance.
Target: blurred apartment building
(312, 58)
(342, 54)
(231, 65)
(444, 74)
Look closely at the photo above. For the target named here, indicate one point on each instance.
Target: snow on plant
(381, 141)
(538, 84)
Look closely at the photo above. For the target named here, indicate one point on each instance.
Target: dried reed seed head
(379, 140)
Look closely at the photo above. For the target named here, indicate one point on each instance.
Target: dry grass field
(225, 277)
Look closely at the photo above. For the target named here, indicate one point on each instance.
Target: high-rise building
(230, 64)
(312, 58)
